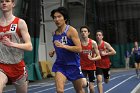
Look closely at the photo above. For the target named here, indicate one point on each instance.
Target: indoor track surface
(120, 82)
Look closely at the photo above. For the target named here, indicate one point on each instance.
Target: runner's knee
(22, 88)
(60, 91)
(3, 79)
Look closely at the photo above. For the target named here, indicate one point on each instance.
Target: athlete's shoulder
(106, 43)
(71, 28)
(72, 32)
(21, 22)
(22, 25)
(93, 41)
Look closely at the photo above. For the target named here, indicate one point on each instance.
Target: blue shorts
(72, 72)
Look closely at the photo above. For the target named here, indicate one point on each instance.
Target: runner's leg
(3, 81)
(60, 80)
(78, 85)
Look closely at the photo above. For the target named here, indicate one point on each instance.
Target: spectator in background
(127, 58)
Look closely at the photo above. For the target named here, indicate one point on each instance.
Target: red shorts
(14, 72)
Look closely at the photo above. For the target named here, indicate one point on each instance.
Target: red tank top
(10, 55)
(104, 62)
(11, 27)
(85, 63)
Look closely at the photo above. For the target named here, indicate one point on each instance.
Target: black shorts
(105, 72)
(137, 60)
(90, 74)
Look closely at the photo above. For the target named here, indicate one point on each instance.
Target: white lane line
(136, 88)
(103, 82)
(46, 89)
(119, 84)
(9, 90)
(40, 85)
(116, 78)
(68, 88)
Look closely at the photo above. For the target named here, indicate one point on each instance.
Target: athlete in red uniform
(88, 56)
(103, 65)
(14, 39)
